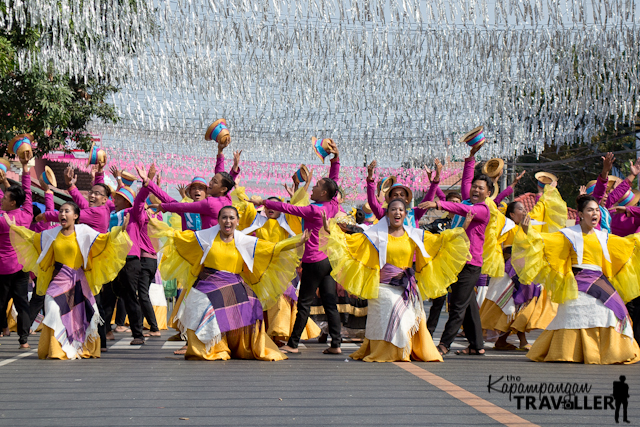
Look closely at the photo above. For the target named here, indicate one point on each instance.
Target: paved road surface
(149, 386)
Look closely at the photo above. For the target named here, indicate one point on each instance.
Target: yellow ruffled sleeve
(555, 210)
(274, 267)
(181, 253)
(300, 198)
(492, 258)
(354, 261)
(449, 252)
(246, 210)
(107, 257)
(26, 243)
(625, 265)
(174, 220)
(545, 258)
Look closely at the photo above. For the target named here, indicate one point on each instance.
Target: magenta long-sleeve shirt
(623, 225)
(615, 195)
(503, 195)
(220, 167)
(22, 216)
(312, 217)
(476, 229)
(96, 217)
(379, 211)
(467, 177)
(207, 208)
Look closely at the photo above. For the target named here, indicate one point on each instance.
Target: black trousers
(125, 287)
(624, 404)
(16, 286)
(463, 310)
(434, 313)
(121, 313)
(147, 274)
(317, 276)
(36, 304)
(633, 307)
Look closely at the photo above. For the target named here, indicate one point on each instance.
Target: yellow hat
(21, 144)
(474, 137)
(48, 177)
(493, 167)
(545, 178)
(96, 155)
(218, 132)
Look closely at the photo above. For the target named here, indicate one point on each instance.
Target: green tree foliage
(53, 108)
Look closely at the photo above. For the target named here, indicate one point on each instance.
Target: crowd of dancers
(251, 270)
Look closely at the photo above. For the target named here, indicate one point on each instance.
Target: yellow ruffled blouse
(355, 261)
(274, 264)
(547, 258)
(271, 230)
(550, 209)
(107, 256)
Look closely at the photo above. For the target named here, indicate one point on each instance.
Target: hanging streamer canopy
(389, 79)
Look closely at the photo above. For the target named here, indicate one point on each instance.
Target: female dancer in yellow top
(229, 277)
(510, 305)
(377, 265)
(72, 262)
(590, 274)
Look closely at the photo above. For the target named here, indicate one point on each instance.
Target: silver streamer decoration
(387, 79)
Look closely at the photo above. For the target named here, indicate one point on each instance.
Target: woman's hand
(70, 177)
(289, 189)
(518, 178)
(182, 189)
(115, 172)
(526, 221)
(10, 221)
(40, 218)
(305, 237)
(256, 200)
(125, 223)
(468, 219)
(582, 190)
(325, 222)
(371, 169)
(236, 160)
(428, 205)
(438, 170)
(309, 178)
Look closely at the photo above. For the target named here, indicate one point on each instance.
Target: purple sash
(522, 293)
(234, 302)
(290, 292)
(595, 283)
(395, 276)
(71, 292)
(483, 280)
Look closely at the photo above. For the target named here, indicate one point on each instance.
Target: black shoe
(137, 341)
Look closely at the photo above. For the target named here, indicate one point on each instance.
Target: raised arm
(219, 162)
(334, 170)
(235, 169)
(503, 195)
(26, 186)
(624, 186)
(48, 202)
(160, 194)
(137, 212)
(376, 208)
(305, 212)
(78, 198)
(467, 177)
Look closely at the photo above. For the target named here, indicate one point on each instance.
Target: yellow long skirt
(422, 349)
(281, 318)
(596, 346)
(537, 314)
(50, 348)
(11, 322)
(251, 342)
